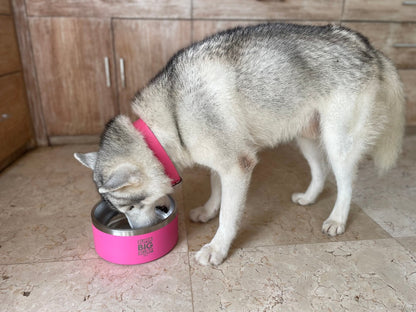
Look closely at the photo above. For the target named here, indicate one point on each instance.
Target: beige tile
(51, 159)
(271, 218)
(96, 285)
(390, 199)
(342, 276)
(50, 218)
(11, 186)
(409, 243)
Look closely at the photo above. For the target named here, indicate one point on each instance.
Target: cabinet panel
(15, 125)
(9, 53)
(391, 10)
(203, 29)
(5, 7)
(393, 39)
(268, 9)
(408, 78)
(113, 8)
(70, 62)
(145, 47)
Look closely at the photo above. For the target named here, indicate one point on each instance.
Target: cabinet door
(77, 96)
(376, 10)
(15, 125)
(408, 78)
(5, 7)
(145, 47)
(204, 28)
(9, 53)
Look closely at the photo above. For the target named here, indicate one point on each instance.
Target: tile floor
(279, 262)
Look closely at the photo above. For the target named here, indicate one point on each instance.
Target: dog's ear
(88, 159)
(124, 175)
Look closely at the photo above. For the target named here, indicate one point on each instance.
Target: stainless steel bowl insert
(115, 223)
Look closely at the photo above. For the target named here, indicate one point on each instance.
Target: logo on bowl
(145, 246)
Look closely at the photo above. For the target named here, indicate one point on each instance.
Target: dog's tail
(391, 98)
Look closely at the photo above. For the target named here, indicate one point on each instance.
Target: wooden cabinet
(80, 78)
(15, 125)
(203, 29)
(143, 48)
(376, 10)
(268, 9)
(408, 78)
(111, 8)
(74, 63)
(9, 52)
(5, 7)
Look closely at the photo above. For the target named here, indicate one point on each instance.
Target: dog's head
(127, 174)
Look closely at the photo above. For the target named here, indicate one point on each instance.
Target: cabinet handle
(5, 116)
(409, 3)
(107, 71)
(404, 45)
(123, 76)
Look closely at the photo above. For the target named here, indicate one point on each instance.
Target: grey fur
(221, 100)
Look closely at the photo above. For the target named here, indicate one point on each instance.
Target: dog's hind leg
(210, 209)
(235, 180)
(345, 145)
(319, 170)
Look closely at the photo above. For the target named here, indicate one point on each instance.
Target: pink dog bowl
(116, 242)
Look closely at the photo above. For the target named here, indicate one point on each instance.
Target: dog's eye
(130, 208)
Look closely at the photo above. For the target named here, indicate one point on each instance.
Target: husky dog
(221, 100)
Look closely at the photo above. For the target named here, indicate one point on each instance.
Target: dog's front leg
(234, 185)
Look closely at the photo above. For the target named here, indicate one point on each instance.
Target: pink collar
(158, 150)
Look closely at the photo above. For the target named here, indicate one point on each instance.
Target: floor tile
(270, 217)
(342, 276)
(390, 199)
(409, 243)
(49, 221)
(96, 285)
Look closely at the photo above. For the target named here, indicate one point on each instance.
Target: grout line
(405, 247)
(190, 280)
(342, 11)
(184, 212)
(116, 90)
(192, 21)
(47, 261)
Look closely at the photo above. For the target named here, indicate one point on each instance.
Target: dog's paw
(302, 199)
(210, 255)
(200, 214)
(332, 227)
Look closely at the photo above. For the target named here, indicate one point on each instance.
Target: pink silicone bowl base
(136, 249)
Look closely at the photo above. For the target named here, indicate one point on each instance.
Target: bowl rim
(132, 232)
